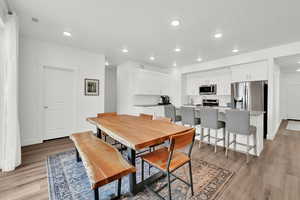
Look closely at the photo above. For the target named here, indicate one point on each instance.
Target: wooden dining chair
(108, 114)
(146, 116)
(152, 148)
(169, 159)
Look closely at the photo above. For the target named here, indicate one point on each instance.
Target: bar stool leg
(224, 138)
(227, 146)
(255, 143)
(96, 194)
(209, 136)
(216, 139)
(201, 137)
(234, 139)
(248, 148)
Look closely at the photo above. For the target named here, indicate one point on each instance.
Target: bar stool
(238, 123)
(188, 116)
(209, 120)
(170, 112)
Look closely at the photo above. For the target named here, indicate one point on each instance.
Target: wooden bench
(103, 162)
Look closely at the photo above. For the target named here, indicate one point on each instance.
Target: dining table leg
(131, 155)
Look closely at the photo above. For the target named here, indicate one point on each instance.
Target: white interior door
(59, 106)
(293, 99)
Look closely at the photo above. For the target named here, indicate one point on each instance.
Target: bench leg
(132, 177)
(96, 194)
(78, 159)
(119, 188)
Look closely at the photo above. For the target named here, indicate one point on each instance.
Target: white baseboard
(272, 136)
(31, 141)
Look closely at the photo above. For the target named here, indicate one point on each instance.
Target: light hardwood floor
(275, 175)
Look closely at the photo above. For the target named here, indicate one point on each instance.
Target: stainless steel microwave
(208, 89)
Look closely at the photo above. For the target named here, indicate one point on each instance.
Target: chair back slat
(146, 116)
(181, 140)
(108, 114)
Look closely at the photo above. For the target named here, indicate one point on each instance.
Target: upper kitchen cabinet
(220, 77)
(151, 83)
(250, 72)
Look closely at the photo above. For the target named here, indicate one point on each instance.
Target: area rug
(68, 180)
(293, 125)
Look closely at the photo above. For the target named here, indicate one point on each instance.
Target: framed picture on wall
(91, 87)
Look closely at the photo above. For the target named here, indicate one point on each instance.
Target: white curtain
(10, 147)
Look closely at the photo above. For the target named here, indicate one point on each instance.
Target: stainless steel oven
(208, 89)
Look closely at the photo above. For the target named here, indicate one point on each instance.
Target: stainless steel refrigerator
(252, 95)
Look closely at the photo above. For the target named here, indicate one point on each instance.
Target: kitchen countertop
(224, 108)
(148, 105)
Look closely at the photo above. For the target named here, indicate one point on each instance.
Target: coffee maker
(165, 100)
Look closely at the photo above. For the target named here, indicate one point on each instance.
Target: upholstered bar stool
(170, 112)
(209, 120)
(238, 123)
(188, 116)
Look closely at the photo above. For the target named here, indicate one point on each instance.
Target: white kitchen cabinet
(250, 72)
(151, 83)
(223, 87)
(192, 87)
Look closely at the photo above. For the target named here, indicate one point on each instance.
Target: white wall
(276, 97)
(288, 79)
(110, 89)
(127, 86)
(3, 11)
(34, 55)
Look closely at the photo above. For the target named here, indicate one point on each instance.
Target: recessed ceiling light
(106, 63)
(175, 22)
(298, 70)
(68, 34)
(124, 50)
(218, 35)
(235, 50)
(199, 59)
(177, 49)
(152, 58)
(174, 64)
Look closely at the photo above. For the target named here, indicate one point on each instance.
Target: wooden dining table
(136, 134)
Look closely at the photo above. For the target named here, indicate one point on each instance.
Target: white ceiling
(289, 63)
(143, 26)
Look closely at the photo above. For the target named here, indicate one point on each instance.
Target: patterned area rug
(67, 180)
